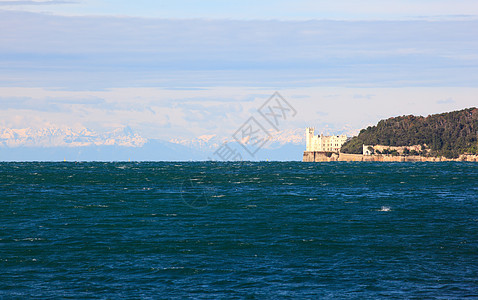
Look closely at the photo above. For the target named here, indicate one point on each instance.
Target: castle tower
(309, 134)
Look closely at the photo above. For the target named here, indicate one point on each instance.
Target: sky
(254, 10)
(183, 69)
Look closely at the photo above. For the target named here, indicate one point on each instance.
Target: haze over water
(236, 230)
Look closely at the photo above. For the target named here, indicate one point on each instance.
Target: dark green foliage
(448, 134)
(370, 148)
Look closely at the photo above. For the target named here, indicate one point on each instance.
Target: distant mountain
(56, 136)
(55, 143)
(205, 143)
(287, 145)
(212, 142)
(448, 134)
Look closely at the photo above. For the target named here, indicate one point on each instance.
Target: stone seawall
(313, 156)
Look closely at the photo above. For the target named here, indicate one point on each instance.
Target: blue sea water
(254, 230)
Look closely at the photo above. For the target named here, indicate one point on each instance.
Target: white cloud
(33, 2)
(103, 52)
(265, 9)
(182, 79)
(178, 119)
(388, 10)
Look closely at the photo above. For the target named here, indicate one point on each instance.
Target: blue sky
(182, 69)
(265, 9)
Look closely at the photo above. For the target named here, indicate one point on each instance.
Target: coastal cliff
(449, 135)
(313, 156)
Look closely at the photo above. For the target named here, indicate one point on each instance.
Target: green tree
(448, 134)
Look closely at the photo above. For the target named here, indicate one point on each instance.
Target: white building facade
(321, 143)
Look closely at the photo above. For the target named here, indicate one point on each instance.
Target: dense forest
(448, 134)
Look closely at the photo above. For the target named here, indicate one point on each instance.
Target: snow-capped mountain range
(211, 142)
(57, 136)
(63, 136)
(53, 143)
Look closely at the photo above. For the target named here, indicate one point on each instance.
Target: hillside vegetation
(448, 134)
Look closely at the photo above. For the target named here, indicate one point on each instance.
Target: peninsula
(449, 136)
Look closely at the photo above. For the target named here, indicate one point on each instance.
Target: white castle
(321, 143)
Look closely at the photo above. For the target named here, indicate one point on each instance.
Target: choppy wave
(238, 230)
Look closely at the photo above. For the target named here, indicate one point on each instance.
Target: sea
(238, 230)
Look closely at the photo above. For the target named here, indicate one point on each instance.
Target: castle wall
(314, 156)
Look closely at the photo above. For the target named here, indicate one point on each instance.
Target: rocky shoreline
(314, 156)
